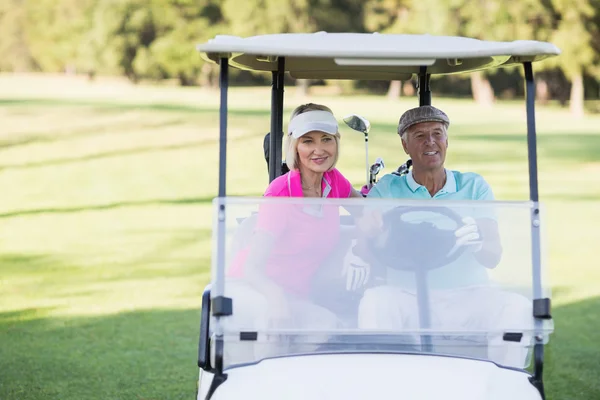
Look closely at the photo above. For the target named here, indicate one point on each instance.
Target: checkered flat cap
(421, 114)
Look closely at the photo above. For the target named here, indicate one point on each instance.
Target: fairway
(106, 223)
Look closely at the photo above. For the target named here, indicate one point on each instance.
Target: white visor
(322, 121)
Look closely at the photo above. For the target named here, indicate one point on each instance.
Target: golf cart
(332, 343)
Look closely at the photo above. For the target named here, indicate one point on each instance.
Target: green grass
(105, 224)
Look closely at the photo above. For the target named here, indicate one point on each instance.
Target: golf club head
(404, 168)
(357, 123)
(377, 166)
(360, 124)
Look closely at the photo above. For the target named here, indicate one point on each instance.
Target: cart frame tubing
(219, 288)
(538, 348)
(424, 92)
(276, 136)
(220, 284)
(424, 88)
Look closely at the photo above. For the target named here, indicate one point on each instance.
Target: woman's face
(317, 151)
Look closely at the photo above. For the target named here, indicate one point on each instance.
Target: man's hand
(467, 235)
(356, 270)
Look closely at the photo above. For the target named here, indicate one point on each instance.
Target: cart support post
(531, 132)
(221, 305)
(276, 136)
(223, 83)
(424, 310)
(539, 315)
(424, 92)
(424, 88)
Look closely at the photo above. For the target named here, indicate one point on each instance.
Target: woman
(270, 280)
(312, 152)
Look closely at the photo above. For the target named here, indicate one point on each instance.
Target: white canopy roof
(324, 55)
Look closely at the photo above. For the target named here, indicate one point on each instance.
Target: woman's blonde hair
(291, 154)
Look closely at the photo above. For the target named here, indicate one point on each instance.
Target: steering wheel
(421, 246)
(417, 247)
(411, 253)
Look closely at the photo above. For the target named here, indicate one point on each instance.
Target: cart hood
(373, 376)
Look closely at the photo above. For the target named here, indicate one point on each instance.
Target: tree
(14, 49)
(183, 24)
(152, 38)
(255, 17)
(55, 29)
(388, 16)
(577, 34)
(570, 24)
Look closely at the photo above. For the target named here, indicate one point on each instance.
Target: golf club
(360, 124)
(375, 170)
(404, 168)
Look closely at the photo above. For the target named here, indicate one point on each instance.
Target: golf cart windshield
(304, 279)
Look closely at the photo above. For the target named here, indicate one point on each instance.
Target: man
(459, 292)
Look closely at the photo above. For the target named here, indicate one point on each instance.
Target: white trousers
(484, 309)
(251, 314)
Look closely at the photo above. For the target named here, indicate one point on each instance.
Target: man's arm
(491, 250)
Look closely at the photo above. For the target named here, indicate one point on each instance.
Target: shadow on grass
(119, 153)
(107, 105)
(152, 355)
(134, 355)
(171, 258)
(559, 147)
(110, 206)
(177, 240)
(23, 263)
(10, 317)
(572, 367)
(116, 128)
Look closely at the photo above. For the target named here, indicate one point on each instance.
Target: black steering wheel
(413, 246)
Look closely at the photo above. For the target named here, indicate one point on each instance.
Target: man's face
(426, 144)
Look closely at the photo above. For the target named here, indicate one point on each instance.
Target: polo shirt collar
(295, 184)
(449, 187)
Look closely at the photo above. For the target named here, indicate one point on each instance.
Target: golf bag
(266, 148)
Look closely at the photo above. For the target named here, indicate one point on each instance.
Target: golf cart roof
(374, 56)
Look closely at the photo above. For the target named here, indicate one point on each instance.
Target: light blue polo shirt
(459, 186)
(464, 271)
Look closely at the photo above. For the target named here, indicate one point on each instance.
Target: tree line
(155, 39)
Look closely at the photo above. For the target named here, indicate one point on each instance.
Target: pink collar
(295, 184)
